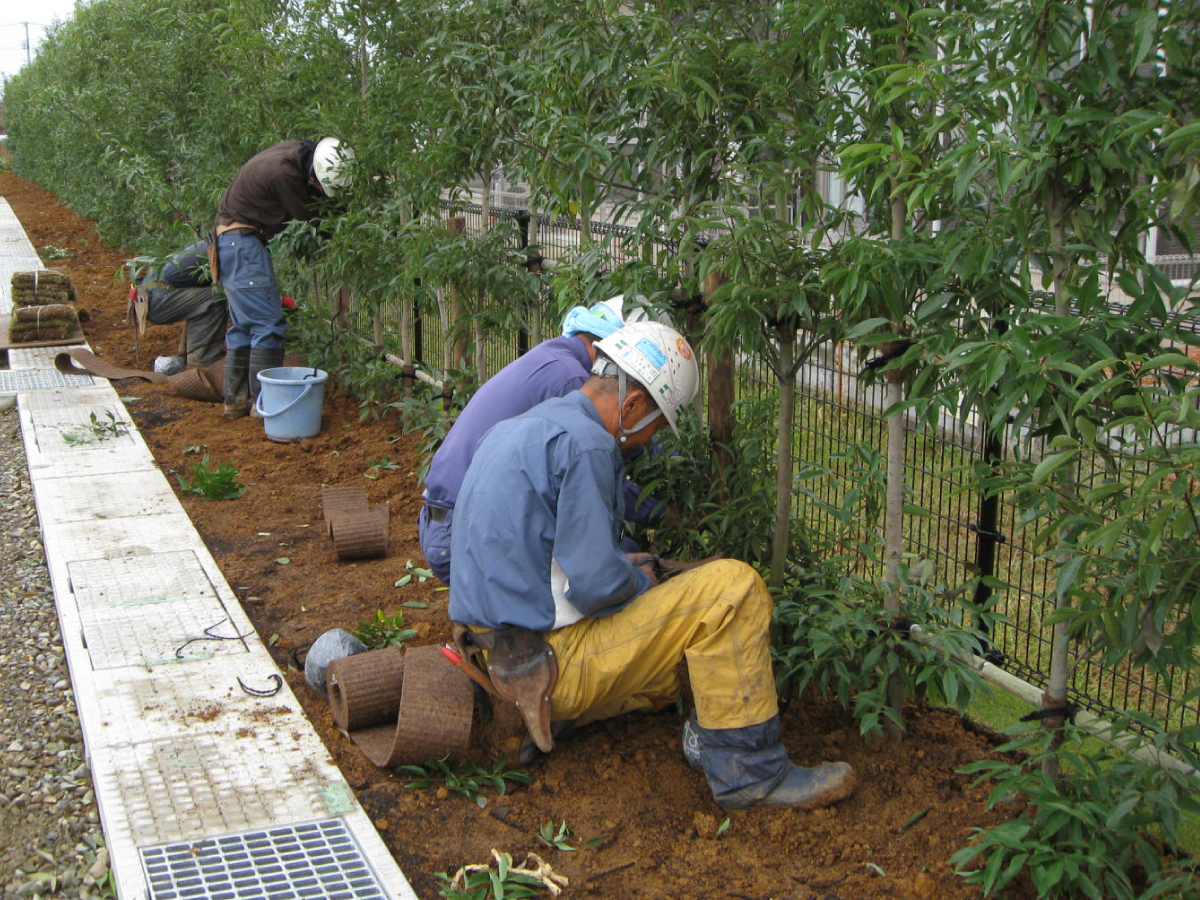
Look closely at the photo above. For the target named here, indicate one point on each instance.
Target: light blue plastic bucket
(290, 401)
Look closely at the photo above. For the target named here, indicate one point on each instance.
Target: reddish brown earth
(623, 782)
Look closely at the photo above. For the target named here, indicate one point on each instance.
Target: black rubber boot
(261, 359)
(237, 386)
(749, 767)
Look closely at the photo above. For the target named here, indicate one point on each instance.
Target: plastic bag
(169, 365)
(333, 644)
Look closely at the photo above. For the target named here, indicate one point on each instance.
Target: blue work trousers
(434, 537)
(255, 307)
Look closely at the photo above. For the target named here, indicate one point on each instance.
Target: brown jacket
(269, 191)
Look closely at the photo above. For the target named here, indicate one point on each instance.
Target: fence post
(523, 229)
(987, 531)
(418, 354)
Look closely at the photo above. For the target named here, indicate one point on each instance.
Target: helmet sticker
(649, 350)
(684, 350)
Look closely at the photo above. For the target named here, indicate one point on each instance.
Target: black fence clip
(1067, 712)
(209, 636)
(276, 682)
(990, 535)
(883, 359)
(299, 654)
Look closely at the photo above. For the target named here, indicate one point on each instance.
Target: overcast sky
(14, 14)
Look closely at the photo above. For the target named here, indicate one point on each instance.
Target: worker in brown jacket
(273, 188)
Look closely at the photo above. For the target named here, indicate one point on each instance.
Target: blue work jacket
(538, 521)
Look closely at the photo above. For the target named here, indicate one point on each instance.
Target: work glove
(647, 562)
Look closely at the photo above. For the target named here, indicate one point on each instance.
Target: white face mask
(606, 368)
(641, 423)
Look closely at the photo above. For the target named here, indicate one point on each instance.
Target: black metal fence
(961, 533)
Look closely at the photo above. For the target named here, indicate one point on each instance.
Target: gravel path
(51, 844)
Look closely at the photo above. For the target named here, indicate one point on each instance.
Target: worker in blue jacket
(537, 547)
(551, 369)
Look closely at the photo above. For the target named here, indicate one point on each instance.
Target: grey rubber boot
(237, 385)
(261, 359)
(691, 742)
(749, 767)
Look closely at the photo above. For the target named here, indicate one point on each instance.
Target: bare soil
(625, 781)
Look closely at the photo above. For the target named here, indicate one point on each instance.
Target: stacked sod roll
(43, 307)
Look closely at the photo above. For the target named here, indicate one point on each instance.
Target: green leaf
(1051, 464)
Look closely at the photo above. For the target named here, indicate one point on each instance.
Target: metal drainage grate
(315, 861)
(14, 380)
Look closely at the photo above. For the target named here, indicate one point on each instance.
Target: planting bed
(623, 783)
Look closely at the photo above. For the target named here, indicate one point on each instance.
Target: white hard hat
(641, 311)
(660, 358)
(329, 159)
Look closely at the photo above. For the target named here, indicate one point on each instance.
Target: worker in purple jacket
(553, 368)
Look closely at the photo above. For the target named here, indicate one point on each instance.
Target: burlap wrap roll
(195, 384)
(364, 689)
(336, 501)
(362, 534)
(200, 384)
(434, 713)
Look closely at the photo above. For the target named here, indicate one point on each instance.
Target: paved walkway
(210, 781)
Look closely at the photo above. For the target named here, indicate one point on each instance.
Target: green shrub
(709, 512)
(383, 631)
(1107, 831)
(212, 483)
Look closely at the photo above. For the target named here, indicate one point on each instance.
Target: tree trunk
(537, 314)
(407, 346)
(894, 528)
(455, 326)
(1067, 479)
(894, 516)
(781, 542)
(477, 320)
(720, 401)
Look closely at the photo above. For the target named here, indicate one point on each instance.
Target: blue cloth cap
(601, 320)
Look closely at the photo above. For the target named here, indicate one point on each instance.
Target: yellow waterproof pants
(716, 617)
